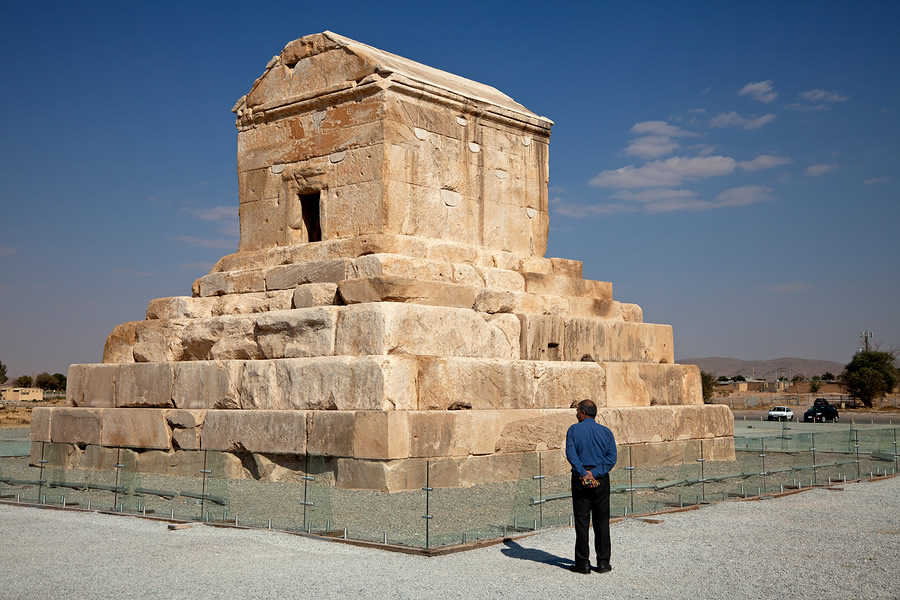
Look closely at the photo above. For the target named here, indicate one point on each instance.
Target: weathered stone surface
(555, 338)
(180, 307)
(158, 341)
(290, 276)
(233, 282)
(249, 303)
(278, 432)
(135, 427)
(315, 294)
(92, 386)
(144, 385)
(401, 289)
(40, 423)
(298, 332)
(220, 338)
(207, 384)
(75, 425)
(391, 328)
(119, 346)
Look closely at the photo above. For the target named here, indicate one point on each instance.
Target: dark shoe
(604, 567)
(585, 570)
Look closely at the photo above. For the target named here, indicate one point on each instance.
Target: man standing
(591, 450)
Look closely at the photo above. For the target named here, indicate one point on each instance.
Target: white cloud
(817, 170)
(660, 128)
(216, 213)
(654, 195)
(655, 139)
(652, 146)
(764, 91)
(697, 111)
(665, 173)
(822, 96)
(739, 196)
(733, 119)
(788, 287)
(578, 211)
(6, 250)
(764, 161)
(806, 107)
(866, 182)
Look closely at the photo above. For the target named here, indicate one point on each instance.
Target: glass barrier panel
(556, 489)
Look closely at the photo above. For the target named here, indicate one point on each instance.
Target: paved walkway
(820, 544)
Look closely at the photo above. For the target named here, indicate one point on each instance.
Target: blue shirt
(590, 446)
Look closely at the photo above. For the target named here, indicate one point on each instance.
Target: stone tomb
(390, 302)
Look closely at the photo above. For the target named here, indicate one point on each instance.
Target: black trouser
(590, 502)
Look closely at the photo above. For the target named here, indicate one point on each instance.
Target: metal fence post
(630, 469)
(762, 455)
(427, 516)
(856, 446)
(702, 461)
(812, 448)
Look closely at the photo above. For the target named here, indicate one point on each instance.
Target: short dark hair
(588, 408)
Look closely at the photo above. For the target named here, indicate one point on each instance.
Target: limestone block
(502, 279)
(290, 276)
(188, 463)
(401, 289)
(40, 423)
(543, 337)
(144, 385)
(265, 431)
(390, 328)
(562, 384)
(315, 294)
(593, 308)
(474, 383)
(555, 285)
(444, 251)
(257, 390)
(381, 434)
(298, 332)
(394, 265)
(263, 225)
(232, 282)
(158, 341)
(493, 301)
(546, 431)
(331, 433)
(186, 439)
(431, 212)
(353, 209)
(185, 418)
(92, 386)
(536, 264)
(507, 227)
(467, 275)
(207, 384)
(119, 346)
(566, 266)
(136, 428)
(405, 111)
(617, 341)
(225, 337)
(179, 307)
(631, 312)
(249, 303)
(75, 425)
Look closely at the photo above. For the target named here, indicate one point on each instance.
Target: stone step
(378, 435)
(393, 382)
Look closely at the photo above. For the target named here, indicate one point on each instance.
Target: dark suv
(821, 411)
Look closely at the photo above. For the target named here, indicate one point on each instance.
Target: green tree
(708, 380)
(44, 381)
(22, 381)
(722, 378)
(2, 372)
(870, 375)
(797, 378)
(59, 381)
(739, 378)
(828, 376)
(815, 385)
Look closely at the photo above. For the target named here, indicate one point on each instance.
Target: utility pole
(865, 335)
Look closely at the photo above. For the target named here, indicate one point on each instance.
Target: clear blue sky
(732, 168)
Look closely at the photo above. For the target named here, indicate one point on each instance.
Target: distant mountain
(764, 369)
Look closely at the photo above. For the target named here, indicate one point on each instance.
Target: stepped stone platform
(389, 303)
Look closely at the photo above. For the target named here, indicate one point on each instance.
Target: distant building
(19, 394)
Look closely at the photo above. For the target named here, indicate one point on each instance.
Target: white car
(781, 413)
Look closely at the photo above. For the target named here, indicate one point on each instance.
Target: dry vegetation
(18, 414)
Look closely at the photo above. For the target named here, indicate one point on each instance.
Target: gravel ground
(817, 544)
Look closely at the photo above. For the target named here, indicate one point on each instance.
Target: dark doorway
(309, 204)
